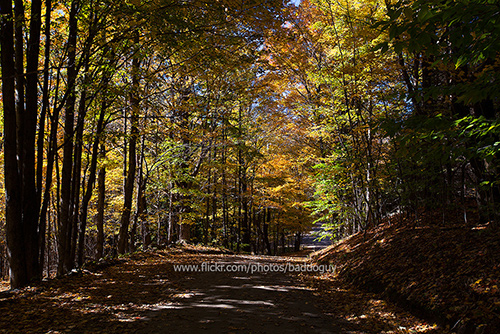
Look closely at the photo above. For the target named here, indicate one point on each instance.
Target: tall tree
(20, 121)
(123, 236)
(66, 223)
(447, 56)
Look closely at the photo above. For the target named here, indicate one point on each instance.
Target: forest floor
(143, 293)
(438, 266)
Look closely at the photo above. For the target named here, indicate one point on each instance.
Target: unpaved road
(145, 294)
(268, 301)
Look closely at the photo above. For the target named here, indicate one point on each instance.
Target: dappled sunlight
(151, 151)
(271, 288)
(248, 302)
(365, 312)
(222, 306)
(153, 298)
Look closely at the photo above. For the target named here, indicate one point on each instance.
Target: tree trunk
(140, 203)
(40, 144)
(225, 211)
(20, 135)
(76, 180)
(31, 204)
(184, 231)
(267, 221)
(130, 180)
(20, 84)
(101, 198)
(77, 183)
(90, 184)
(66, 263)
(213, 226)
(242, 187)
(171, 222)
(13, 213)
(298, 237)
(206, 227)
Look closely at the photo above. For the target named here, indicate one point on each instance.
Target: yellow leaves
(134, 2)
(485, 286)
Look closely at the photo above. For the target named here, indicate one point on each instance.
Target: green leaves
(482, 136)
(383, 47)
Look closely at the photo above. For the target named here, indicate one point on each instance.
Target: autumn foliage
(136, 124)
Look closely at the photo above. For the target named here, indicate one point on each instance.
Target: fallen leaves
(447, 270)
(120, 297)
(364, 312)
(111, 299)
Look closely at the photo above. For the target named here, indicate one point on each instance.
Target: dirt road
(268, 301)
(146, 294)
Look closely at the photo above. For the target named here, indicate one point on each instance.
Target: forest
(136, 124)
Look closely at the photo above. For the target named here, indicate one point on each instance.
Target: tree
(448, 56)
(20, 130)
(132, 153)
(339, 89)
